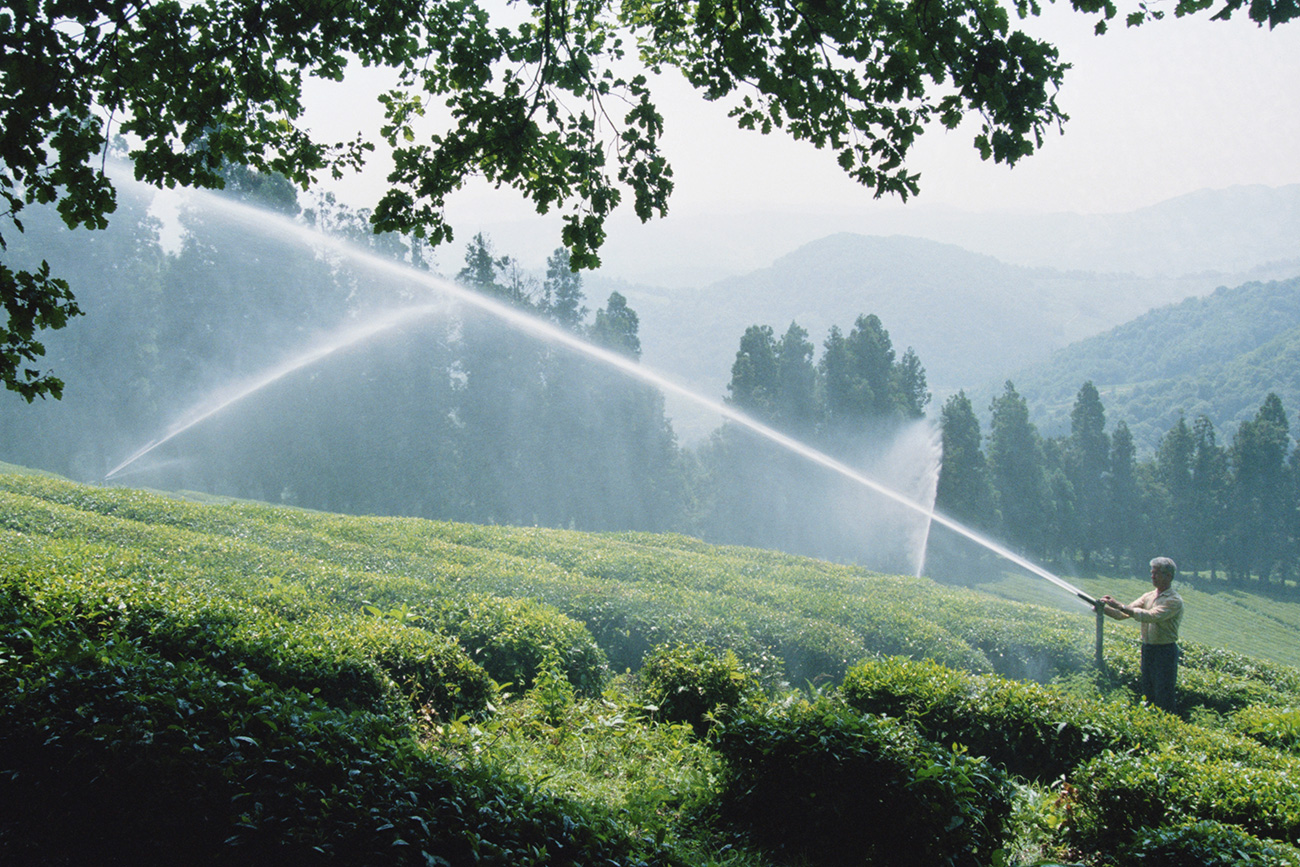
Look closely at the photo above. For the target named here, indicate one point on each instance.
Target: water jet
(445, 290)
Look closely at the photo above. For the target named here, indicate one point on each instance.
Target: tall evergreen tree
(964, 490)
(1016, 465)
(1260, 496)
(1209, 495)
(562, 292)
(617, 326)
(1087, 461)
(872, 354)
(1174, 468)
(911, 396)
(754, 383)
(835, 370)
(502, 389)
(1124, 513)
(482, 269)
(795, 407)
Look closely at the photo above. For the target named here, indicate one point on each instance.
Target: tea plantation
(238, 684)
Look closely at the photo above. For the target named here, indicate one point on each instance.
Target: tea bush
(1115, 796)
(1030, 730)
(516, 639)
(1207, 844)
(110, 754)
(1274, 727)
(1212, 678)
(789, 618)
(348, 660)
(820, 781)
(687, 683)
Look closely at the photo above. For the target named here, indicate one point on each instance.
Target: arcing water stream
(546, 331)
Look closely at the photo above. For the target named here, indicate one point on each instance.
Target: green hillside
(236, 683)
(1217, 356)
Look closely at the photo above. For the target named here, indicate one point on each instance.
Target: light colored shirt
(1160, 613)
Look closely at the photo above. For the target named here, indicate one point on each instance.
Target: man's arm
(1113, 608)
(1162, 608)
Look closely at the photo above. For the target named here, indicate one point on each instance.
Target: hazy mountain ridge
(1217, 356)
(1230, 231)
(965, 314)
(975, 318)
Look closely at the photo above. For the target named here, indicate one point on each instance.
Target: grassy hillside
(1217, 356)
(241, 684)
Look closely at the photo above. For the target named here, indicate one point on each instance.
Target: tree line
(446, 415)
(1224, 511)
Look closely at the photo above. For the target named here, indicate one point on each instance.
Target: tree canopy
(555, 104)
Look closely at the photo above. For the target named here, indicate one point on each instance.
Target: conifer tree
(1260, 495)
(795, 408)
(1209, 494)
(562, 292)
(1016, 464)
(754, 383)
(1087, 460)
(964, 490)
(1124, 518)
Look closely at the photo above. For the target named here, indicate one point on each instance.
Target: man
(1159, 611)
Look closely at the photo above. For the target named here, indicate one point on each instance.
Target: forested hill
(1217, 356)
(971, 318)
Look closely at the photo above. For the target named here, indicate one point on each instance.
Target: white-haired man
(1159, 611)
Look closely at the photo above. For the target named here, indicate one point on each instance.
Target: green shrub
(822, 782)
(1033, 731)
(1274, 727)
(1211, 678)
(1206, 844)
(111, 754)
(789, 618)
(516, 639)
(687, 683)
(1114, 796)
(350, 661)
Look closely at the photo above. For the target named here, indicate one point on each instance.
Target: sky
(1155, 112)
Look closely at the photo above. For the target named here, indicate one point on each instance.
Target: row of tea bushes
(819, 783)
(793, 618)
(509, 637)
(1129, 771)
(1037, 732)
(114, 752)
(1276, 727)
(1213, 678)
(1117, 802)
(349, 660)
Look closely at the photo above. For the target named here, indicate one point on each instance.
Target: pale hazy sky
(1156, 112)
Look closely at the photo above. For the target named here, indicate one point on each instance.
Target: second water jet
(553, 335)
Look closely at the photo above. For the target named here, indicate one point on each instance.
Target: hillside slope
(235, 684)
(1217, 356)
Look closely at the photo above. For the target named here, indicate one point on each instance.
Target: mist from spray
(541, 329)
(344, 338)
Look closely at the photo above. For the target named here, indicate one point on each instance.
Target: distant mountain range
(973, 319)
(1230, 231)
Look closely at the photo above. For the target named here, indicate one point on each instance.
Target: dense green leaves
(817, 781)
(243, 684)
(549, 103)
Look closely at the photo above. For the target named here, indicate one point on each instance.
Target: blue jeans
(1160, 675)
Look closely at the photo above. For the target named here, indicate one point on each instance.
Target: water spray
(537, 327)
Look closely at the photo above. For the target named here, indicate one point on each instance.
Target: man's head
(1162, 572)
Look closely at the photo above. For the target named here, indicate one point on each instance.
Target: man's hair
(1165, 566)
